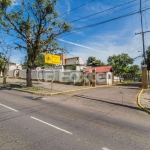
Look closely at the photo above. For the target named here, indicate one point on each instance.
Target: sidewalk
(45, 88)
(145, 99)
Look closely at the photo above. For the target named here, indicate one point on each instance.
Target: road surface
(97, 119)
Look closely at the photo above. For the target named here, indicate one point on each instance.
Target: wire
(110, 14)
(99, 23)
(93, 25)
(102, 11)
(77, 7)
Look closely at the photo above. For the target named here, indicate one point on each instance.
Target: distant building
(67, 63)
(104, 74)
(11, 67)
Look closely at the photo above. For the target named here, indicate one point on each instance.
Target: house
(104, 74)
(67, 63)
(13, 69)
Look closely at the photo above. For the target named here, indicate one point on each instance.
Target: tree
(92, 61)
(133, 71)
(74, 66)
(36, 24)
(39, 62)
(147, 58)
(120, 63)
(4, 58)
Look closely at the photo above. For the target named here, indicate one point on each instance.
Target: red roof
(100, 69)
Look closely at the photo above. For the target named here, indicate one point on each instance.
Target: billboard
(52, 59)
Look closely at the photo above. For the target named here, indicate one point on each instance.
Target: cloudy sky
(93, 34)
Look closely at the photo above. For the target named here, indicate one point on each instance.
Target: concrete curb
(139, 102)
(56, 93)
(68, 91)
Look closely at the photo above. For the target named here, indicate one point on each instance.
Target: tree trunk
(29, 77)
(4, 76)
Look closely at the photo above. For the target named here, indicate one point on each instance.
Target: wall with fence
(67, 76)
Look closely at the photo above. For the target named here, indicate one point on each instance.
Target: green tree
(74, 66)
(147, 58)
(92, 61)
(120, 63)
(36, 24)
(39, 62)
(133, 71)
(4, 58)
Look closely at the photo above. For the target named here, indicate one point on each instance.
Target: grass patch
(34, 88)
(21, 87)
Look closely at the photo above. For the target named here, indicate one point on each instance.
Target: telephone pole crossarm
(141, 32)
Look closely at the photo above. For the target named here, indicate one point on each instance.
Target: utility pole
(143, 32)
(144, 67)
(143, 39)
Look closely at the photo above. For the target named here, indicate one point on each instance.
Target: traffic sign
(38, 68)
(52, 59)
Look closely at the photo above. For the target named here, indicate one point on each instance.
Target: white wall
(72, 61)
(75, 60)
(81, 62)
(109, 78)
(116, 79)
(66, 76)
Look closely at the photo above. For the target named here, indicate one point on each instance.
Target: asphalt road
(97, 119)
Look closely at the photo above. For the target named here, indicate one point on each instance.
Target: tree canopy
(92, 61)
(36, 24)
(120, 63)
(148, 58)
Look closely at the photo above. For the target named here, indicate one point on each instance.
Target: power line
(113, 12)
(102, 11)
(99, 23)
(77, 7)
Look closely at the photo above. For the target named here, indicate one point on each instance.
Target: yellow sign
(52, 59)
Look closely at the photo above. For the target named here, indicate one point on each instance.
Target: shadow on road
(135, 85)
(112, 103)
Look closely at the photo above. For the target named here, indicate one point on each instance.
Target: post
(144, 55)
(94, 77)
(144, 77)
(82, 78)
(112, 78)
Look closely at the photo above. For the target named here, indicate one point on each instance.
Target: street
(105, 118)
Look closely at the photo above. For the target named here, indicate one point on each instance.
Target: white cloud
(79, 45)
(68, 6)
(107, 45)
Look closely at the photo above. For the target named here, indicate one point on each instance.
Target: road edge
(56, 93)
(139, 102)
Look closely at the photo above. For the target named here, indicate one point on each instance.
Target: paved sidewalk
(46, 87)
(145, 99)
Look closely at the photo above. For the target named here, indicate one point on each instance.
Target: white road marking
(51, 125)
(8, 107)
(105, 148)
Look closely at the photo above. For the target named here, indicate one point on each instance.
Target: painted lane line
(51, 125)
(105, 148)
(8, 107)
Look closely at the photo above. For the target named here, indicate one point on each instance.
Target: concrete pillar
(144, 77)
(112, 78)
(94, 77)
(82, 78)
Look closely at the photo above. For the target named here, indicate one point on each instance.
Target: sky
(105, 39)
